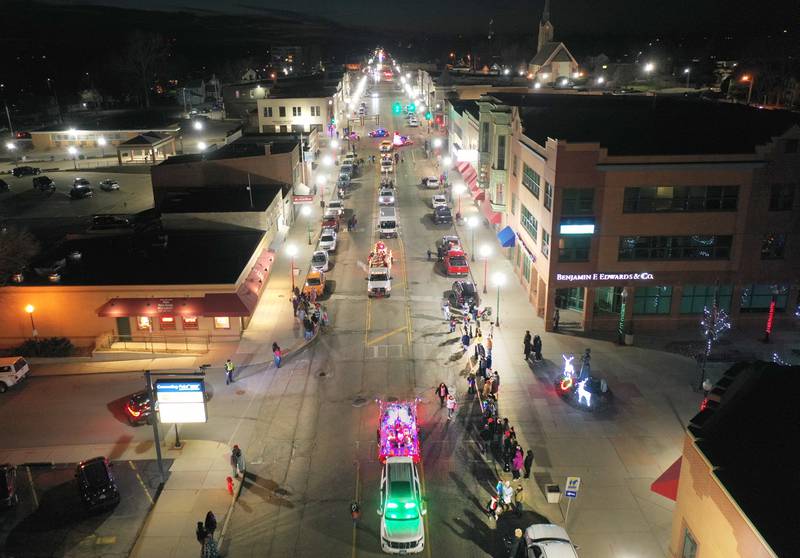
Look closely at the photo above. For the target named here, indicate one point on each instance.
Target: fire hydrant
(230, 485)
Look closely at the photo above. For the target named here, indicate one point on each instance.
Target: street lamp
(197, 125)
(649, 67)
(472, 223)
(306, 212)
(486, 251)
(101, 141)
(29, 309)
(291, 249)
(327, 161)
(459, 189)
(201, 145)
(334, 144)
(686, 72)
(12, 147)
(437, 142)
(499, 279)
(447, 161)
(747, 78)
(321, 180)
(72, 150)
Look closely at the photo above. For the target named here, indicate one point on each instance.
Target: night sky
(571, 17)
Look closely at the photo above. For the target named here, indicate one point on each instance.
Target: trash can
(553, 492)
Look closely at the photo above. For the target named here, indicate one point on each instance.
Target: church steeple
(545, 27)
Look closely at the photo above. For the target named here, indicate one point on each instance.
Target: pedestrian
(446, 310)
(508, 447)
(537, 347)
(519, 500)
(325, 318)
(276, 355)
(200, 532)
(313, 296)
(301, 313)
(452, 324)
(442, 392)
(296, 291)
(429, 254)
(528, 463)
(295, 304)
(465, 342)
(526, 345)
(487, 388)
(518, 547)
(474, 311)
(482, 367)
(355, 221)
(308, 329)
(556, 318)
(586, 369)
(211, 523)
(517, 463)
(492, 507)
(508, 496)
(451, 406)
(471, 383)
(489, 344)
(236, 455)
(229, 368)
(355, 512)
(498, 488)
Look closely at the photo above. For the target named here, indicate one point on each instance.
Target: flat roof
(648, 125)
(750, 439)
(226, 198)
(190, 258)
(116, 120)
(470, 106)
(250, 147)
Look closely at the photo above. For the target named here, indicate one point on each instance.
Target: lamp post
(306, 212)
(472, 223)
(499, 279)
(291, 249)
(459, 189)
(486, 251)
(321, 181)
(101, 141)
(29, 309)
(686, 72)
(13, 149)
(747, 78)
(73, 151)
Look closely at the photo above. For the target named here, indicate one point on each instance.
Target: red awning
(478, 194)
(493, 216)
(229, 304)
(120, 307)
(667, 483)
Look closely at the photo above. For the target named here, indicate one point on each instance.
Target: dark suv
(80, 191)
(442, 215)
(25, 171)
(44, 183)
(464, 291)
(96, 484)
(139, 409)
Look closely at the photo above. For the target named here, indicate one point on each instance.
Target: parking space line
(141, 482)
(33, 488)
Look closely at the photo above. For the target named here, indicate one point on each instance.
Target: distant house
(239, 99)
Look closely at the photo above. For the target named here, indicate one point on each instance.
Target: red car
(330, 222)
(455, 263)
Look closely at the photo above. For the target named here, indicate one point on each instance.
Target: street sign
(573, 486)
(181, 400)
(296, 199)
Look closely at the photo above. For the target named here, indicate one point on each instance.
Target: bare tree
(144, 54)
(17, 248)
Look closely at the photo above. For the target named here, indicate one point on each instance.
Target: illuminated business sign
(181, 401)
(466, 155)
(585, 228)
(572, 277)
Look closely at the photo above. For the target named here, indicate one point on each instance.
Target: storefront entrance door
(124, 328)
(570, 299)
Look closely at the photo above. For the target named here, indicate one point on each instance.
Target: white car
(549, 540)
(439, 201)
(387, 165)
(386, 197)
(401, 507)
(430, 182)
(12, 371)
(320, 261)
(327, 240)
(386, 147)
(335, 205)
(413, 121)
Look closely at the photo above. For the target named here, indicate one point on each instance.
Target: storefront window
(652, 300)
(545, 243)
(608, 300)
(697, 297)
(166, 323)
(570, 298)
(144, 323)
(526, 267)
(190, 322)
(222, 322)
(757, 298)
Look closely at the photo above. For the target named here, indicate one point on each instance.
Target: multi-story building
(302, 104)
(240, 99)
(646, 206)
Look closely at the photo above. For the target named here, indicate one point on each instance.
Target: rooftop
(220, 199)
(648, 125)
(247, 146)
(190, 257)
(749, 440)
(470, 106)
(144, 120)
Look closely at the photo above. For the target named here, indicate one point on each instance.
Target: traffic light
(428, 115)
(412, 107)
(333, 121)
(396, 108)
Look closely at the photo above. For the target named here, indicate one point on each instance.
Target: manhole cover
(392, 399)
(322, 374)
(240, 392)
(359, 401)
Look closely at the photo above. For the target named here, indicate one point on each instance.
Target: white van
(401, 508)
(12, 371)
(387, 222)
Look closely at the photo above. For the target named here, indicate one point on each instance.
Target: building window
(268, 112)
(485, 137)
(222, 322)
(513, 203)
(781, 197)
(531, 180)
(695, 247)
(166, 323)
(282, 112)
(529, 223)
(689, 545)
(545, 243)
(577, 201)
(144, 323)
(574, 248)
(190, 322)
(757, 298)
(608, 300)
(514, 164)
(501, 153)
(548, 196)
(666, 199)
(697, 297)
(652, 300)
(526, 267)
(297, 111)
(772, 246)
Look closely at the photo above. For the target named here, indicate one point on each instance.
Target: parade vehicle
(379, 271)
(320, 261)
(398, 431)
(386, 197)
(430, 182)
(385, 147)
(401, 507)
(438, 201)
(464, 292)
(387, 222)
(379, 133)
(444, 244)
(327, 240)
(315, 282)
(400, 141)
(387, 166)
(455, 262)
(335, 205)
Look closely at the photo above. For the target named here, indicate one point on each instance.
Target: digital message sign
(181, 401)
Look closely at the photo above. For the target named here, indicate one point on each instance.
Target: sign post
(573, 486)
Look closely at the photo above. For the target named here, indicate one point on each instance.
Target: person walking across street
(451, 406)
(442, 392)
(528, 463)
(276, 355)
(229, 368)
(526, 345)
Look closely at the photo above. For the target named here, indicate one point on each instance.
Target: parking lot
(49, 519)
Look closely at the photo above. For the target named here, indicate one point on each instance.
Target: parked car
(438, 201)
(386, 197)
(320, 261)
(442, 216)
(139, 409)
(79, 192)
(109, 184)
(12, 371)
(8, 485)
(96, 484)
(335, 205)
(44, 183)
(327, 240)
(315, 282)
(546, 539)
(430, 182)
(3, 186)
(81, 182)
(464, 291)
(25, 171)
(413, 121)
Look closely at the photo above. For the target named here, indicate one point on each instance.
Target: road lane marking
(385, 335)
(141, 482)
(33, 488)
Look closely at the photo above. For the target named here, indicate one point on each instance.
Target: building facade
(295, 114)
(240, 99)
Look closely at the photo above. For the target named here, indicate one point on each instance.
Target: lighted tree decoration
(715, 322)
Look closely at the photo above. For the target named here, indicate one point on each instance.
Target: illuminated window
(166, 322)
(222, 322)
(190, 322)
(144, 323)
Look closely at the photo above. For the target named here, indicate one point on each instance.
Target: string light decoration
(715, 322)
(776, 358)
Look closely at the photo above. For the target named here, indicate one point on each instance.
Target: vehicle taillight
(134, 413)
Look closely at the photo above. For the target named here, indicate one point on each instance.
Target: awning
(492, 216)
(667, 483)
(506, 237)
(227, 304)
(478, 194)
(121, 307)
